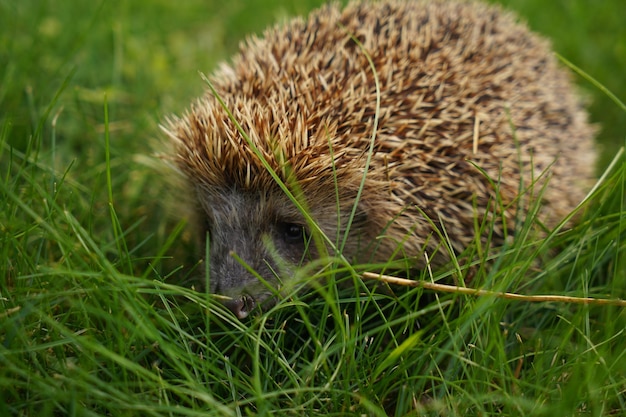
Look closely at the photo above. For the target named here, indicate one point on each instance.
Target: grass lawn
(95, 318)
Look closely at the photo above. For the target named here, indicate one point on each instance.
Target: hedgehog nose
(241, 306)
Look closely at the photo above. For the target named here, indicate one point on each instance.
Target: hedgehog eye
(292, 233)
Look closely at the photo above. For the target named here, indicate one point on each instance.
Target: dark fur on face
(261, 229)
(268, 235)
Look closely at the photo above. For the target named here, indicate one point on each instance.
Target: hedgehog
(388, 127)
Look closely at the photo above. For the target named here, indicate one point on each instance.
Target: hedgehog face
(251, 231)
(257, 239)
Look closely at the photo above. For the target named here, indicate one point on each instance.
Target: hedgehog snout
(248, 290)
(229, 276)
(241, 306)
(232, 259)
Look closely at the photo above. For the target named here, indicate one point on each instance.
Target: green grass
(93, 320)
